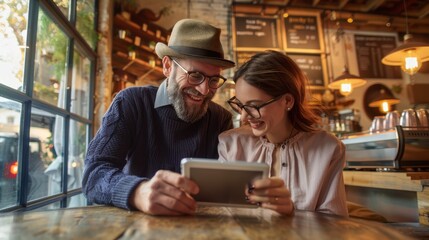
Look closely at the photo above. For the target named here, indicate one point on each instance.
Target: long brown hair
(277, 74)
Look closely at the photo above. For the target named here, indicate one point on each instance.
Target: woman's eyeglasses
(196, 78)
(252, 110)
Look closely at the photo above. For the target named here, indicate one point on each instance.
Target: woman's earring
(288, 109)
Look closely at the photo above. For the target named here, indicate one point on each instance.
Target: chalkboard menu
(370, 50)
(242, 57)
(311, 65)
(302, 32)
(256, 32)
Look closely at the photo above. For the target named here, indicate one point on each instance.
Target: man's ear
(167, 65)
(290, 101)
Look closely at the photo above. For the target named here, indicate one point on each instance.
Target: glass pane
(46, 155)
(63, 5)
(76, 201)
(10, 117)
(80, 85)
(13, 30)
(85, 22)
(77, 150)
(50, 62)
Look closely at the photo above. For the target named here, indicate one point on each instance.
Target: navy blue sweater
(135, 140)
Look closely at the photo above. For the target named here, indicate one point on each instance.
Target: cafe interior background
(63, 61)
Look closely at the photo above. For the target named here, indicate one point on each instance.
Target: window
(47, 64)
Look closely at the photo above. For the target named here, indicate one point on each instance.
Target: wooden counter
(399, 196)
(101, 222)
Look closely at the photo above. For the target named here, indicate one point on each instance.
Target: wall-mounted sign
(242, 56)
(311, 65)
(370, 50)
(302, 32)
(256, 32)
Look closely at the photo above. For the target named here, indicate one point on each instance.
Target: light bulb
(346, 89)
(412, 62)
(384, 107)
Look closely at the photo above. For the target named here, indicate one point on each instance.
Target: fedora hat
(191, 38)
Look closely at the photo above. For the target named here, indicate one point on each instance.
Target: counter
(398, 196)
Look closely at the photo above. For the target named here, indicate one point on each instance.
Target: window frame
(76, 42)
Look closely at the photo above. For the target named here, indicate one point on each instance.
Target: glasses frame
(210, 78)
(241, 106)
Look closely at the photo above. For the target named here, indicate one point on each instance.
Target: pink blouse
(312, 164)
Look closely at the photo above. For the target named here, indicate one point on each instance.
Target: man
(133, 162)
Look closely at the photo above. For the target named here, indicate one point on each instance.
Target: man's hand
(271, 193)
(167, 193)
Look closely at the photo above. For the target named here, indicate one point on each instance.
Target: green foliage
(85, 21)
(51, 38)
(46, 93)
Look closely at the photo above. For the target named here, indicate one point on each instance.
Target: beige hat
(193, 38)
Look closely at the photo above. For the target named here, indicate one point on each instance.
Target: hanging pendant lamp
(346, 81)
(410, 55)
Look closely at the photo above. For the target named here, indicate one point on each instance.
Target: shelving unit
(146, 67)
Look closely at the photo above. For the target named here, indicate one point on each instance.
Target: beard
(188, 113)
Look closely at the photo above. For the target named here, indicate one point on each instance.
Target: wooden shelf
(137, 67)
(121, 23)
(138, 70)
(143, 52)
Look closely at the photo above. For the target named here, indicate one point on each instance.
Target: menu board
(302, 32)
(256, 32)
(311, 65)
(242, 57)
(370, 50)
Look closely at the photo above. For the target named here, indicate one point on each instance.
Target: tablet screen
(223, 183)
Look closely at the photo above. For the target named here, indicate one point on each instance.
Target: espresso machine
(399, 148)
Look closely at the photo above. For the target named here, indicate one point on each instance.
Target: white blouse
(311, 165)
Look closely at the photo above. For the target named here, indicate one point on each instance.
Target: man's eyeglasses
(252, 110)
(196, 78)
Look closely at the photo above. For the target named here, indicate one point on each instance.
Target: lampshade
(383, 97)
(409, 55)
(346, 82)
(384, 100)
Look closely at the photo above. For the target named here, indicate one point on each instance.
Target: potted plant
(132, 52)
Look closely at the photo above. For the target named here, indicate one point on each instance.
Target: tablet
(222, 183)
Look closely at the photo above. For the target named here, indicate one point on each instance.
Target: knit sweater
(137, 138)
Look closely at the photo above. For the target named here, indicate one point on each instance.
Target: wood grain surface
(102, 222)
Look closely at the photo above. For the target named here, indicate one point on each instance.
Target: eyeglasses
(196, 78)
(252, 110)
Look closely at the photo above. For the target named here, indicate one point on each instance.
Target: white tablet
(222, 183)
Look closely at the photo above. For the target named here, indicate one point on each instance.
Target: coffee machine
(396, 149)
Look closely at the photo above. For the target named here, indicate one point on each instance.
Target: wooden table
(101, 222)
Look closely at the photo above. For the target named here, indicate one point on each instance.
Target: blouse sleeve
(222, 147)
(333, 197)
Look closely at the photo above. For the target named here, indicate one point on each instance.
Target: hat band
(197, 51)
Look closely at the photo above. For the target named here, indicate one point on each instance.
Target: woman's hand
(271, 193)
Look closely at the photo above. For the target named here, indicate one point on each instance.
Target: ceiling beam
(424, 12)
(315, 2)
(342, 4)
(372, 5)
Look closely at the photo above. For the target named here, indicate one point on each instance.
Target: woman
(305, 162)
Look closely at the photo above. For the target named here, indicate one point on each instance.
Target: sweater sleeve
(103, 180)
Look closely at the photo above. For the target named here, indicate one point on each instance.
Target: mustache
(194, 92)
